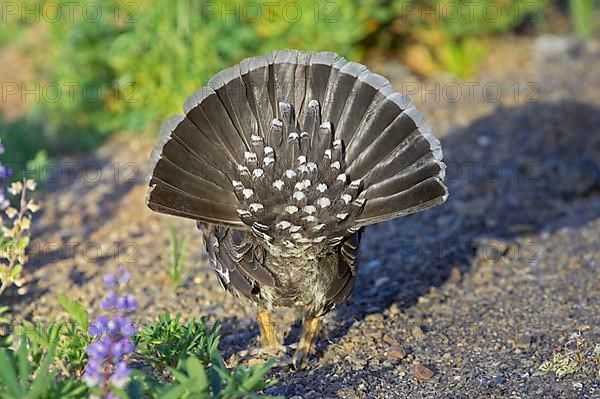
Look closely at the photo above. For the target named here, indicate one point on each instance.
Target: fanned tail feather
(301, 148)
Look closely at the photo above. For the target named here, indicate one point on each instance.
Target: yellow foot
(267, 329)
(309, 334)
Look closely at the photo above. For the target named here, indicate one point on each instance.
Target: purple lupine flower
(123, 275)
(128, 346)
(98, 326)
(100, 349)
(125, 326)
(106, 356)
(110, 301)
(126, 302)
(120, 375)
(112, 329)
(110, 280)
(94, 372)
(5, 173)
(121, 348)
(4, 202)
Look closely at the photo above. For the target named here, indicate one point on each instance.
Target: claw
(309, 334)
(298, 360)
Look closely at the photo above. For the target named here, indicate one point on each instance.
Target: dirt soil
(466, 300)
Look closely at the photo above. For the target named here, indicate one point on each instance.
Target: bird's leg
(267, 329)
(310, 329)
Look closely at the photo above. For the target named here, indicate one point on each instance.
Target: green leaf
(23, 243)
(196, 371)
(582, 16)
(76, 310)
(175, 392)
(16, 271)
(7, 373)
(22, 360)
(39, 335)
(3, 320)
(43, 377)
(257, 375)
(34, 334)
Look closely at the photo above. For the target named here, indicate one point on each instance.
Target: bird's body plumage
(282, 160)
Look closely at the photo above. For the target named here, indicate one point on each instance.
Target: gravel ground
(466, 300)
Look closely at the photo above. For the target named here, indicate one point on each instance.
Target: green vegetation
(130, 64)
(578, 355)
(582, 16)
(48, 362)
(176, 256)
(169, 340)
(15, 232)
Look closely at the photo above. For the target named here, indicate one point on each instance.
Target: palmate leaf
(15, 373)
(191, 381)
(39, 335)
(255, 378)
(175, 392)
(76, 310)
(245, 382)
(197, 373)
(201, 371)
(168, 341)
(70, 388)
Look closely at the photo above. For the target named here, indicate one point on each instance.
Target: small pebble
(396, 352)
(422, 373)
(522, 342)
(374, 318)
(418, 333)
(455, 275)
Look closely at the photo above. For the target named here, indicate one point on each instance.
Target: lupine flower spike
(107, 367)
(15, 223)
(5, 174)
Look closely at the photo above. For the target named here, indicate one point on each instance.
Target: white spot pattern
(284, 185)
(299, 195)
(278, 184)
(310, 209)
(291, 209)
(247, 192)
(324, 202)
(284, 224)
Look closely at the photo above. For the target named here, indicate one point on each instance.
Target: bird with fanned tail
(282, 160)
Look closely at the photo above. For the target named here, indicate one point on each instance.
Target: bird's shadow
(516, 172)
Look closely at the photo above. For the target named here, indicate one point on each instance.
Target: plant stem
(18, 233)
